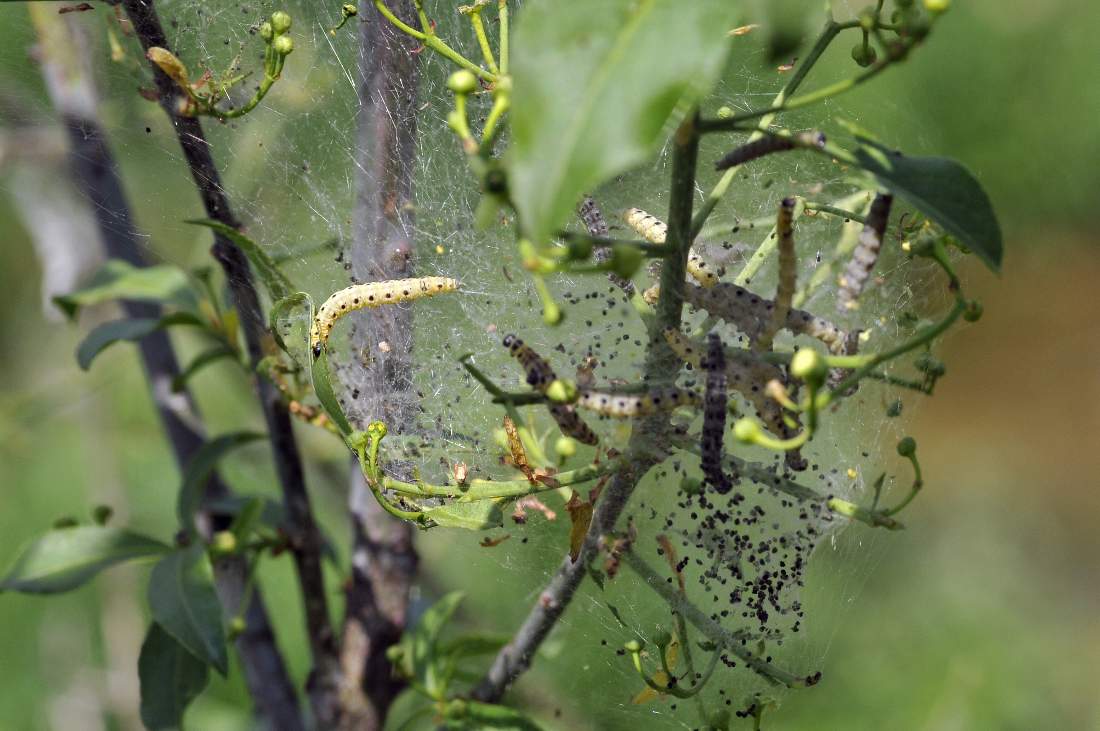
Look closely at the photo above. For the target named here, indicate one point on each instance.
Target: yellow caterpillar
(372, 294)
(654, 230)
(623, 406)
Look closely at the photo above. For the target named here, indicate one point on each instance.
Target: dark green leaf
(64, 559)
(109, 333)
(120, 280)
(322, 387)
(198, 471)
(170, 676)
(184, 602)
(476, 515)
(277, 283)
(298, 329)
(489, 715)
(596, 89)
(199, 362)
(420, 643)
(943, 190)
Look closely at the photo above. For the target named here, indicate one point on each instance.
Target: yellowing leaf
(167, 62)
(581, 515)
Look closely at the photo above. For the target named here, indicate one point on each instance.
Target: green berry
(280, 22)
(561, 391)
(907, 447)
(973, 311)
(807, 365)
(725, 113)
(267, 32)
(937, 6)
(283, 45)
(565, 447)
(462, 82)
(223, 543)
(236, 627)
(864, 55)
(551, 313)
(746, 430)
(633, 646)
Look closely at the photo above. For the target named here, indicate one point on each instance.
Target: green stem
(502, 6)
(483, 40)
(501, 103)
(491, 489)
(835, 211)
(918, 483)
(433, 42)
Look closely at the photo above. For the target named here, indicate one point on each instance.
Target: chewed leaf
(64, 559)
(476, 515)
(596, 89)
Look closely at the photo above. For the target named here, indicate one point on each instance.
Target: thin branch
(305, 537)
(95, 175)
(660, 365)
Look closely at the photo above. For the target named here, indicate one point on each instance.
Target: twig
(96, 175)
(384, 560)
(660, 364)
(305, 537)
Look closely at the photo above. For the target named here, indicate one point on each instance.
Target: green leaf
(278, 284)
(420, 644)
(198, 472)
(281, 324)
(597, 87)
(64, 559)
(322, 387)
(131, 329)
(170, 677)
(942, 189)
(183, 601)
(199, 362)
(491, 715)
(121, 280)
(475, 515)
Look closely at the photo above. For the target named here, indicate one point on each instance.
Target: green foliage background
(981, 615)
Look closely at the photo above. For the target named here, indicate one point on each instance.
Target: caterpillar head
(317, 349)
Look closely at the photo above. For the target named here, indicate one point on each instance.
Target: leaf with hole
(64, 559)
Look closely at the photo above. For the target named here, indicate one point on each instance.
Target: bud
(973, 311)
(633, 646)
(937, 6)
(562, 391)
(565, 447)
(864, 54)
(102, 513)
(725, 113)
(807, 365)
(746, 430)
(283, 45)
(500, 438)
(462, 82)
(236, 627)
(280, 22)
(223, 543)
(662, 638)
(626, 260)
(267, 32)
(907, 447)
(551, 313)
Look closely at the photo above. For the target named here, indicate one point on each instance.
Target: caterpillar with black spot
(594, 222)
(655, 231)
(767, 145)
(750, 314)
(863, 259)
(714, 415)
(540, 374)
(625, 406)
(788, 264)
(372, 294)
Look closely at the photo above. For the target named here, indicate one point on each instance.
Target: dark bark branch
(95, 175)
(660, 365)
(304, 535)
(384, 560)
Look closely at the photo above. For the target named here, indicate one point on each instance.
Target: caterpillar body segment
(372, 294)
(655, 231)
(714, 415)
(590, 214)
(750, 314)
(540, 374)
(767, 145)
(624, 406)
(788, 274)
(866, 253)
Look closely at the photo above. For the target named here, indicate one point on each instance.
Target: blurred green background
(983, 614)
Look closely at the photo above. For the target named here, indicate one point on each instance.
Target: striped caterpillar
(594, 221)
(714, 415)
(788, 263)
(622, 406)
(767, 145)
(372, 294)
(540, 374)
(750, 314)
(866, 254)
(655, 231)
(745, 373)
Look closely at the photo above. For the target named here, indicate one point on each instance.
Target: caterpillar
(767, 145)
(788, 263)
(372, 294)
(714, 415)
(593, 220)
(540, 374)
(623, 406)
(655, 231)
(866, 253)
(750, 313)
